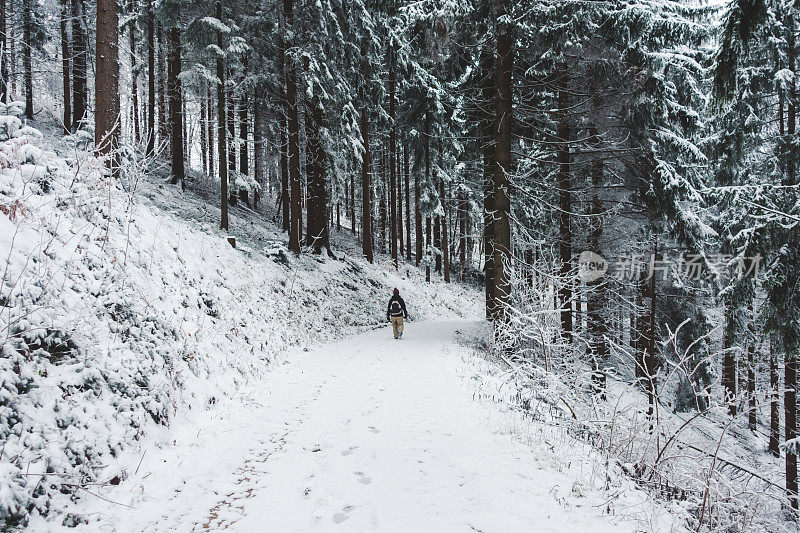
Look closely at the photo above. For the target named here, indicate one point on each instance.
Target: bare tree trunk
(260, 141)
(366, 188)
(318, 235)
(137, 136)
(163, 111)
(400, 234)
(27, 61)
(176, 106)
(392, 196)
(502, 225)
(729, 363)
(790, 423)
(596, 299)
(222, 140)
(106, 116)
(419, 239)
(66, 56)
(564, 204)
(296, 212)
(407, 172)
(774, 408)
(244, 155)
(80, 89)
(488, 92)
(151, 80)
(204, 129)
(445, 236)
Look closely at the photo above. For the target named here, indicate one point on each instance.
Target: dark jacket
(397, 307)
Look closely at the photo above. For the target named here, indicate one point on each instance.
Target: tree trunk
(564, 205)
(222, 140)
(176, 106)
(428, 249)
(163, 110)
(729, 363)
(66, 56)
(27, 60)
(80, 89)
(151, 81)
(400, 234)
(790, 424)
(502, 225)
(407, 165)
(318, 229)
(752, 420)
(244, 134)
(366, 188)
(106, 88)
(419, 238)
(231, 116)
(445, 236)
(137, 136)
(260, 141)
(488, 93)
(774, 408)
(392, 196)
(596, 299)
(204, 129)
(296, 212)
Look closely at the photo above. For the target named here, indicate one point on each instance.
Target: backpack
(396, 310)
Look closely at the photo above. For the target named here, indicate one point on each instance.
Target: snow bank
(121, 304)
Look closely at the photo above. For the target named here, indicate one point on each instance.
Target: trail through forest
(365, 434)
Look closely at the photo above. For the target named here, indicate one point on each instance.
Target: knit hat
(396, 291)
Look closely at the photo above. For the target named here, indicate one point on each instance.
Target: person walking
(395, 313)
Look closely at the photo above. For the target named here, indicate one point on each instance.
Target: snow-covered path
(367, 434)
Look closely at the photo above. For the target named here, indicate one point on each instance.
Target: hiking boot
(400, 335)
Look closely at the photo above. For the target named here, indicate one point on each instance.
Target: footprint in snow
(349, 450)
(374, 429)
(362, 478)
(341, 517)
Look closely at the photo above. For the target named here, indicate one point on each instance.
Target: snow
(363, 434)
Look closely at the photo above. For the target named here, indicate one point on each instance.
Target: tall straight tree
(407, 172)
(80, 61)
(501, 224)
(134, 76)
(564, 203)
(66, 57)
(295, 200)
(366, 186)
(151, 80)
(392, 196)
(106, 85)
(488, 92)
(27, 52)
(176, 106)
(222, 135)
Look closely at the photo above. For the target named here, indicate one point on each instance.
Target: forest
(617, 178)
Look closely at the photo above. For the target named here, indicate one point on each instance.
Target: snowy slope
(124, 308)
(367, 434)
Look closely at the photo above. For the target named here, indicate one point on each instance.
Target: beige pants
(397, 325)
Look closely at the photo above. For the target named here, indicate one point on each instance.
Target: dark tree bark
(790, 423)
(204, 129)
(419, 239)
(106, 88)
(284, 143)
(752, 420)
(260, 141)
(382, 202)
(176, 106)
(151, 80)
(366, 188)
(317, 235)
(392, 162)
(222, 140)
(137, 135)
(231, 125)
(27, 60)
(296, 213)
(428, 248)
(400, 235)
(80, 61)
(502, 225)
(407, 173)
(488, 93)
(729, 365)
(564, 204)
(66, 56)
(163, 110)
(596, 299)
(244, 134)
(774, 407)
(445, 236)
